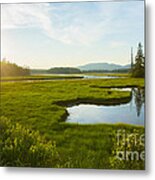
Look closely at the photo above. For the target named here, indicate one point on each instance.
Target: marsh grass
(35, 105)
(40, 77)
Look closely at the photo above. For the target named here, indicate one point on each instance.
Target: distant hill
(102, 66)
(64, 70)
(91, 67)
(38, 71)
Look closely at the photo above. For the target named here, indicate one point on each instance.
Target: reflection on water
(99, 77)
(59, 77)
(85, 76)
(139, 94)
(130, 113)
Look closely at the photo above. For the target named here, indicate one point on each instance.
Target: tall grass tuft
(22, 147)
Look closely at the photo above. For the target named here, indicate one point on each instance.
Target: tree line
(12, 69)
(64, 70)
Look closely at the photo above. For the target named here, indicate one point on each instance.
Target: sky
(45, 35)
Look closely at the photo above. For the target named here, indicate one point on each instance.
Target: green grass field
(40, 77)
(58, 77)
(41, 106)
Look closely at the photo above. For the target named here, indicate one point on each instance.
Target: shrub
(22, 147)
(129, 152)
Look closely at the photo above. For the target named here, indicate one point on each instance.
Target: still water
(100, 77)
(130, 113)
(84, 76)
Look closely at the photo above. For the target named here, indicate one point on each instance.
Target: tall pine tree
(139, 66)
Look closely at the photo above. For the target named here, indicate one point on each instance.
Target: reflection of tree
(139, 94)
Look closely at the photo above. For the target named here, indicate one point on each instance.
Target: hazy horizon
(77, 66)
(44, 35)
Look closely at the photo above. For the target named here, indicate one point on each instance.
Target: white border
(76, 174)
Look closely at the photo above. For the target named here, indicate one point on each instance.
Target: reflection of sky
(99, 77)
(90, 114)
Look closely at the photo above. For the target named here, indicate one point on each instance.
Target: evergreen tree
(139, 66)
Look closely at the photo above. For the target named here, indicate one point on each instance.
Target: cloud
(25, 16)
(65, 23)
(69, 23)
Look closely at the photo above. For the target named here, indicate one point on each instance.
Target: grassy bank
(60, 76)
(38, 106)
(40, 77)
